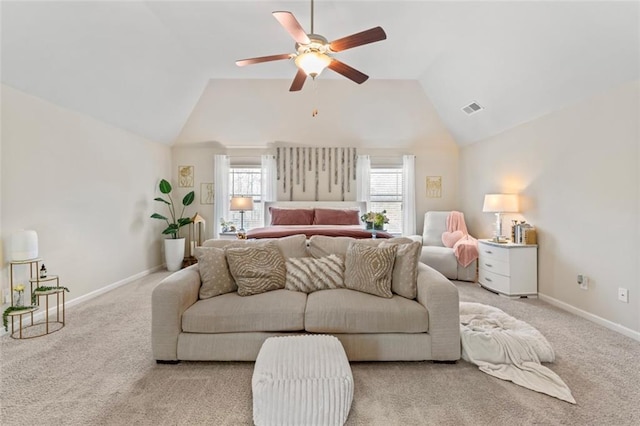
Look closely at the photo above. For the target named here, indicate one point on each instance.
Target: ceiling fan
(313, 53)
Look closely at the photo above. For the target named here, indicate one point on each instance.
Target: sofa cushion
(442, 259)
(321, 246)
(214, 272)
(278, 310)
(405, 268)
(435, 223)
(281, 216)
(292, 246)
(369, 269)
(308, 274)
(348, 311)
(257, 269)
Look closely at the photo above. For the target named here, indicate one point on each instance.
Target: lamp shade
(24, 245)
(500, 203)
(241, 204)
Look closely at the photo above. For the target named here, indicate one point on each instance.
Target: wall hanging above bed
(316, 173)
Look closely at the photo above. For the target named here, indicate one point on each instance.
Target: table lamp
(498, 204)
(241, 204)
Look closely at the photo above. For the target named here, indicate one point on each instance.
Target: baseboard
(39, 315)
(591, 317)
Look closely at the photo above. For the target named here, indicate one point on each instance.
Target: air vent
(472, 108)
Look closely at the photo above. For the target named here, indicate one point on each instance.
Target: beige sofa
(371, 328)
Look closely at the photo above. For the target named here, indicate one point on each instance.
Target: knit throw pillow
(214, 272)
(257, 269)
(405, 268)
(369, 269)
(307, 274)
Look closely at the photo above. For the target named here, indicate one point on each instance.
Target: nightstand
(508, 269)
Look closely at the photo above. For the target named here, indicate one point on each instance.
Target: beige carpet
(98, 370)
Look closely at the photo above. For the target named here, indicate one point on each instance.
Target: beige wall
(85, 187)
(577, 173)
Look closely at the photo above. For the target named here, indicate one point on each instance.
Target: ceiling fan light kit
(313, 51)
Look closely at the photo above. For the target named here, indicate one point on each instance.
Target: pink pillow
(449, 239)
(336, 217)
(291, 216)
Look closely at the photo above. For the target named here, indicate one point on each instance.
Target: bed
(328, 218)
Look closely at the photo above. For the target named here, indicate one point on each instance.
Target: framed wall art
(185, 176)
(206, 193)
(434, 186)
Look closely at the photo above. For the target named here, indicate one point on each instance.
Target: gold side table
(45, 327)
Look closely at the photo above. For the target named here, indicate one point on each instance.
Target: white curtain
(409, 194)
(221, 187)
(363, 179)
(269, 187)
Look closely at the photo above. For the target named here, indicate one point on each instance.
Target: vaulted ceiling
(143, 65)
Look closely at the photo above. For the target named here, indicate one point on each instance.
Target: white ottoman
(302, 380)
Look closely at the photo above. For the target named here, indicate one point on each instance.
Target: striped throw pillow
(308, 274)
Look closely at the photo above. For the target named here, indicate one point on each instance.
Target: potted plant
(174, 246)
(375, 220)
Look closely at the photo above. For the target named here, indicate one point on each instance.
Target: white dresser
(509, 269)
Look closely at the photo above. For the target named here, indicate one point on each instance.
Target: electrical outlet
(583, 281)
(623, 295)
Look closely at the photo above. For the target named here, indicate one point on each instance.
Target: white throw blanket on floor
(509, 349)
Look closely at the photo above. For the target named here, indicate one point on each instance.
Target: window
(247, 182)
(386, 194)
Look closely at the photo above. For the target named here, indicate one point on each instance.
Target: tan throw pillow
(307, 274)
(214, 272)
(257, 269)
(369, 269)
(405, 268)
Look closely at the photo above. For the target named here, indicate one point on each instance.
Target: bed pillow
(307, 274)
(369, 269)
(405, 268)
(336, 217)
(257, 269)
(291, 216)
(214, 272)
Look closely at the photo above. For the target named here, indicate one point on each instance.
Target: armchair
(435, 254)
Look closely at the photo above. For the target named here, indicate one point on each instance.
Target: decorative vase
(371, 225)
(19, 300)
(174, 253)
(24, 245)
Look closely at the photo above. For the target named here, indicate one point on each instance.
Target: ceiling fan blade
(298, 81)
(293, 27)
(243, 62)
(347, 71)
(354, 40)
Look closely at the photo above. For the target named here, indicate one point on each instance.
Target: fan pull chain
(314, 113)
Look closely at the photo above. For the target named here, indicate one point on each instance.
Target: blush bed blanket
(278, 231)
(509, 349)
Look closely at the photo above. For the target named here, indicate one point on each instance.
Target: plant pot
(173, 253)
(371, 225)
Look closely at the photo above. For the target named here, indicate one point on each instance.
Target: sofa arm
(440, 297)
(171, 297)
(417, 238)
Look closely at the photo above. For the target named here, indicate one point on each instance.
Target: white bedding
(509, 349)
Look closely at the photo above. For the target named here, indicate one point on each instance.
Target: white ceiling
(142, 66)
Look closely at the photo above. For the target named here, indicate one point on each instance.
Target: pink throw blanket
(466, 249)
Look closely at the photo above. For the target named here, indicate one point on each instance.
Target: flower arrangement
(375, 220)
(20, 290)
(227, 226)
